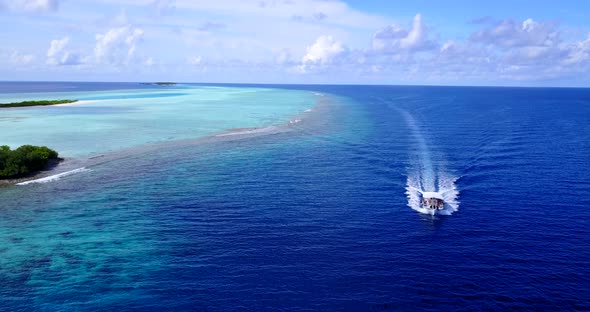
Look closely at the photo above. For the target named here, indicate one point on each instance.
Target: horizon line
(305, 84)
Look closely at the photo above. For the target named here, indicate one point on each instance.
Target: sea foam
(445, 187)
(426, 177)
(54, 177)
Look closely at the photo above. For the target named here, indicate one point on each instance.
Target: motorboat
(432, 200)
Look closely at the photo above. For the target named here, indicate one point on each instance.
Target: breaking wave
(426, 176)
(54, 177)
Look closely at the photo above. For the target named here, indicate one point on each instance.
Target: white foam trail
(54, 177)
(446, 187)
(427, 179)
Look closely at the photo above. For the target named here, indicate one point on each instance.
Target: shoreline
(30, 103)
(227, 135)
(77, 102)
(81, 102)
(46, 172)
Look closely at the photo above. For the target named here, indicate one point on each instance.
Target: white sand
(76, 103)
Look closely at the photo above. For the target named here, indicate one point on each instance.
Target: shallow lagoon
(110, 120)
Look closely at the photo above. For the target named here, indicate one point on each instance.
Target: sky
(425, 42)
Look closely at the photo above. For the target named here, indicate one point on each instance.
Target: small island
(163, 83)
(36, 103)
(25, 161)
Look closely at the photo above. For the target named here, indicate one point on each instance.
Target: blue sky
(512, 43)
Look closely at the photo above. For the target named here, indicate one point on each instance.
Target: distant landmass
(36, 103)
(164, 83)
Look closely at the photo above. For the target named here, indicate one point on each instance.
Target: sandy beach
(77, 103)
(54, 105)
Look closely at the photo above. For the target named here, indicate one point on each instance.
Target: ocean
(299, 198)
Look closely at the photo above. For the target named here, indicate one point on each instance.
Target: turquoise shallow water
(115, 119)
(87, 241)
(322, 217)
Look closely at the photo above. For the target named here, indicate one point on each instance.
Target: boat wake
(445, 187)
(54, 177)
(426, 176)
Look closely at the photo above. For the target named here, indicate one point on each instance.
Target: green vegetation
(25, 160)
(36, 103)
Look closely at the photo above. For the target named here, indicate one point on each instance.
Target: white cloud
(504, 51)
(198, 64)
(262, 12)
(249, 30)
(117, 46)
(58, 55)
(211, 26)
(510, 34)
(324, 51)
(394, 39)
(56, 47)
(196, 60)
(507, 50)
(119, 20)
(336, 11)
(21, 59)
(32, 5)
(452, 52)
(163, 7)
(528, 51)
(149, 62)
(578, 52)
(417, 38)
(282, 56)
(242, 36)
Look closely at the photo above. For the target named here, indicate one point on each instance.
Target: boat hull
(433, 208)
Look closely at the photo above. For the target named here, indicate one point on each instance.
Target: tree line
(24, 160)
(36, 103)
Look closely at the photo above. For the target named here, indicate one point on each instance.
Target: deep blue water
(319, 219)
